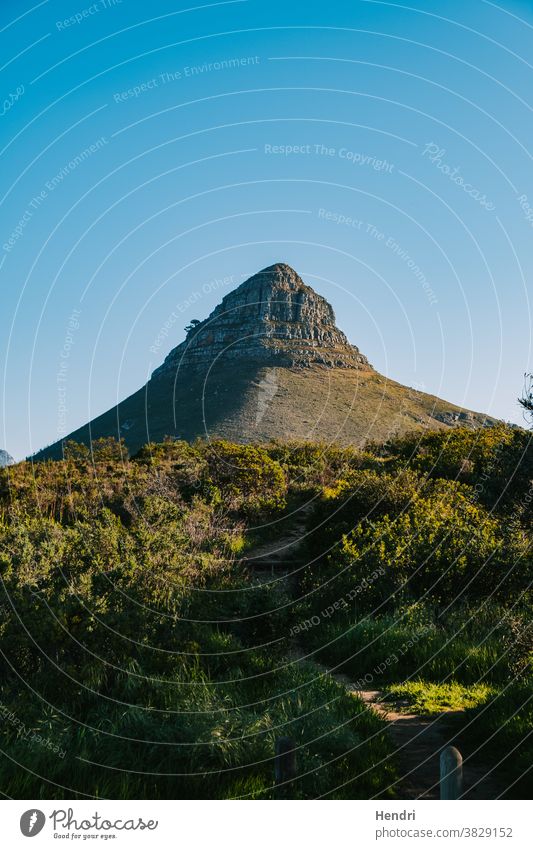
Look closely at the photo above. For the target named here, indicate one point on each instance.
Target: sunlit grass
(426, 697)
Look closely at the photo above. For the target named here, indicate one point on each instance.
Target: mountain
(5, 458)
(270, 362)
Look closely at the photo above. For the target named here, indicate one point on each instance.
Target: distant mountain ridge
(5, 458)
(270, 363)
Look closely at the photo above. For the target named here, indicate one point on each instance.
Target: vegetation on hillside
(142, 657)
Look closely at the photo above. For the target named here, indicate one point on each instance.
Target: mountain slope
(270, 362)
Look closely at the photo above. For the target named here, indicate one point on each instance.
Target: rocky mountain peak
(269, 363)
(273, 318)
(277, 277)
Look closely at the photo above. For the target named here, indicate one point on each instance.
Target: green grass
(457, 665)
(426, 697)
(501, 732)
(211, 741)
(413, 643)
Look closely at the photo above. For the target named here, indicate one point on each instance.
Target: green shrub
(247, 478)
(312, 465)
(431, 543)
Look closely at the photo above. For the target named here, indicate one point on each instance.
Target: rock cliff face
(273, 318)
(5, 458)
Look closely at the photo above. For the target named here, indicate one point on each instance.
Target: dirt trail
(280, 553)
(418, 739)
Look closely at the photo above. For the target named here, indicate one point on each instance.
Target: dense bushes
(431, 537)
(497, 462)
(499, 731)
(133, 638)
(436, 543)
(419, 583)
(138, 658)
(309, 465)
(193, 737)
(247, 477)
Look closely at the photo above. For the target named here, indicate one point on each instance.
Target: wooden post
(284, 766)
(451, 773)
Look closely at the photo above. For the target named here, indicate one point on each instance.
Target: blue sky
(155, 155)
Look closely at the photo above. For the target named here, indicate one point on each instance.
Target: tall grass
(208, 741)
(466, 647)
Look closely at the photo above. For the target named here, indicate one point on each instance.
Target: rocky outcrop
(5, 458)
(461, 417)
(273, 318)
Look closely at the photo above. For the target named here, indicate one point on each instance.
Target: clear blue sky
(144, 160)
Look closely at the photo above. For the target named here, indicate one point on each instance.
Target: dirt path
(282, 552)
(418, 739)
